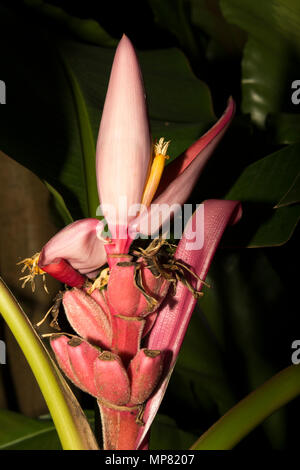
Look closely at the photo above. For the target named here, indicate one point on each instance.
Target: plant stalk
(251, 411)
(43, 370)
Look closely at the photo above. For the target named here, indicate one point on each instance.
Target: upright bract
(173, 319)
(130, 314)
(124, 144)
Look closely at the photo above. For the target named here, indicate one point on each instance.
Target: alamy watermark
(295, 358)
(2, 92)
(2, 352)
(296, 94)
(164, 220)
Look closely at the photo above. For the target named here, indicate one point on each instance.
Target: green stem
(43, 370)
(251, 411)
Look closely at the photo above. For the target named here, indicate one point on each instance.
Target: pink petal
(78, 245)
(124, 144)
(173, 318)
(180, 177)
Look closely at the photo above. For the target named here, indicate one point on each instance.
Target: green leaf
(281, 16)
(85, 29)
(251, 411)
(87, 144)
(259, 19)
(264, 223)
(60, 205)
(39, 126)
(199, 385)
(173, 16)
(165, 435)
(264, 82)
(18, 432)
(202, 356)
(207, 15)
(283, 128)
(248, 310)
(292, 196)
(270, 55)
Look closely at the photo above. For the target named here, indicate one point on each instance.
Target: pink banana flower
(123, 165)
(123, 316)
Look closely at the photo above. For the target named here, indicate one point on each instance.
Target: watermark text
(2, 92)
(2, 352)
(158, 220)
(296, 94)
(296, 354)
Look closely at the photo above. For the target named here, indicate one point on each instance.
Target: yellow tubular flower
(156, 170)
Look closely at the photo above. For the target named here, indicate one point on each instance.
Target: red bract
(172, 321)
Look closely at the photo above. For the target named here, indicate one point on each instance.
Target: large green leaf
(173, 16)
(271, 54)
(165, 435)
(85, 29)
(225, 38)
(280, 16)
(39, 126)
(18, 432)
(252, 411)
(264, 81)
(260, 188)
(283, 128)
(239, 341)
(292, 196)
(60, 205)
(250, 309)
(199, 384)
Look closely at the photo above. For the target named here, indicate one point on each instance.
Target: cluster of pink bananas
(130, 322)
(106, 360)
